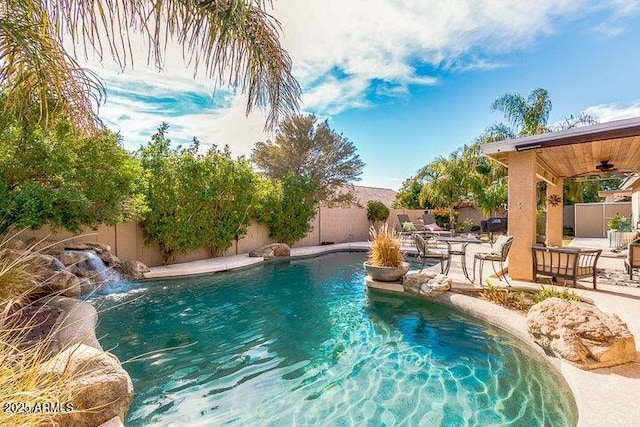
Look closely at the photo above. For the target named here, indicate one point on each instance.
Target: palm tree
(529, 116)
(447, 183)
(234, 41)
(487, 178)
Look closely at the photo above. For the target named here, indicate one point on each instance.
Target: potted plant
(620, 232)
(385, 262)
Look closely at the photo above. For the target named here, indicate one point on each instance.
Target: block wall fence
(335, 225)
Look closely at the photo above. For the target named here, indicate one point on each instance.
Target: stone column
(522, 213)
(555, 214)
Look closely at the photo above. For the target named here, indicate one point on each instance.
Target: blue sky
(404, 80)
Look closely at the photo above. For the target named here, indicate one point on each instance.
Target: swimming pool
(304, 343)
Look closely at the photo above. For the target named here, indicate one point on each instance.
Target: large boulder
(581, 334)
(62, 283)
(133, 270)
(271, 251)
(427, 284)
(100, 388)
(51, 276)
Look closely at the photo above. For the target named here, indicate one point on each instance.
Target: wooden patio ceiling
(576, 152)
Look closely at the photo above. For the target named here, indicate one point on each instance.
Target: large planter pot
(386, 274)
(620, 239)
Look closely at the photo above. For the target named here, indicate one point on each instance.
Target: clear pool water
(303, 343)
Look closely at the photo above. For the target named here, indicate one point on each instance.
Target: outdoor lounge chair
(633, 258)
(499, 253)
(405, 224)
(425, 253)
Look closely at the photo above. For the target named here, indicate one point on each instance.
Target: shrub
(23, 380)
(546, 293)
(21, 377)
(59, 177)
(506, 297)
(377, 211)
(286, 207)
(619, 223)
(442, 217)
(194, 200)
(467, 224)
(16, 277)
(385, 247)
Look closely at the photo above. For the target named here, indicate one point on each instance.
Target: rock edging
(97, 376)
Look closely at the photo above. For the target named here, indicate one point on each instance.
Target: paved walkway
(605, 397)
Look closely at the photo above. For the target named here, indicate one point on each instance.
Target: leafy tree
(408, 197)
(377, 211)
(236, 42)
(586, 191)
(195, 200)
(304, 147)
(447, 183)
(487, 178)
(59, 177)
(286, 206)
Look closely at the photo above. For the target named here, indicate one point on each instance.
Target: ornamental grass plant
(30, 394)
(385, 247)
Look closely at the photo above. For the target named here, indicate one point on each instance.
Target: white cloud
(610, 112)
(344, 53)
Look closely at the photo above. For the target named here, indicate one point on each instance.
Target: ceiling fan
(604, 170)
(605, 166)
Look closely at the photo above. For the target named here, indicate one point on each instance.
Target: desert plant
(23, 382)
(17, 277)
(546, 293)
(506, 297)
(385, 247)
(377, 211)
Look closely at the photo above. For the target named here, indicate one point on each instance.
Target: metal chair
(499, 253)
(425, 252)
(633, 258)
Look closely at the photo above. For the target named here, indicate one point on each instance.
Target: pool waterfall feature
(303, 342)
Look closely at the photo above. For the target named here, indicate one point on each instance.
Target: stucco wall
(335, 225)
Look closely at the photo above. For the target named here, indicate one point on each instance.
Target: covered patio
(589, 151)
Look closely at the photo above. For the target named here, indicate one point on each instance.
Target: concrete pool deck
(605, 397)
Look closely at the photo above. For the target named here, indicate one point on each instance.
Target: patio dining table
(464, 242)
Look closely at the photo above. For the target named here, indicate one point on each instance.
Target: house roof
(576, 152)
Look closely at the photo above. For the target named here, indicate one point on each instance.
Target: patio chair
(425, 253)
(633, 258)
(405, 224)
(405, 228)
(499, 253)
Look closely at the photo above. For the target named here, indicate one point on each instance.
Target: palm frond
(36, 71)
(235, 41)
